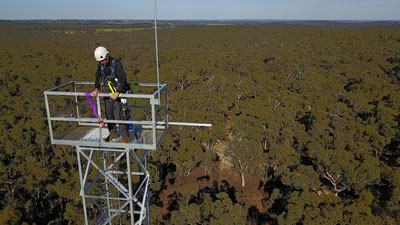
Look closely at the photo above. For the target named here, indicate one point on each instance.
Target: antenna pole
(156, 40)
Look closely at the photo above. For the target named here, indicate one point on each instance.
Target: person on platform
(111, 72)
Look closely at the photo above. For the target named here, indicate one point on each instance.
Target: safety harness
(111, 81)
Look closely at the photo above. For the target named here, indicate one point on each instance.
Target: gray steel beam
(118, 185)
(66, 93)
(106, 180)
(86, 171)
(128, 162)
(153, 119)
(48, 118)
(105, 144)
(82, 184)
(60, 86)
(186, 124)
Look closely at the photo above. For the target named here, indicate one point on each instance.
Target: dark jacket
(119, 73)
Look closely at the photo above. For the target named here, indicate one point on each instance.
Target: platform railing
(153, 127)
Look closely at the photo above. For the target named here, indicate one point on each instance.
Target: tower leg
(132, 209)
(82, 191)
(104, 156)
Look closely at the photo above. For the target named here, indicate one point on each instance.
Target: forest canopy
(305, 120)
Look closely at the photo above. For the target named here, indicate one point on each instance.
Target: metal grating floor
(91, 134)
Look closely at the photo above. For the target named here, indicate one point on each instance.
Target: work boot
(111, 137)
(124, 140)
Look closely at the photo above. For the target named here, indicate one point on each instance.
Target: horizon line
(303, 20)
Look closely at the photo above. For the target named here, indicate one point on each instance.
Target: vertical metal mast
(156, 41)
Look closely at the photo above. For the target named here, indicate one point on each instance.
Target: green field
(70, 31)
(120, 30)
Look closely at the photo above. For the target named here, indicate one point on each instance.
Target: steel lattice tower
(113, 176)
(117, 193)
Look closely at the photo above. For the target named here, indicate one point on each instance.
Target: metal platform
(71, 120)
(90, 136)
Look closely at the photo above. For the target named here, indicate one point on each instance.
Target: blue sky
(202, 9)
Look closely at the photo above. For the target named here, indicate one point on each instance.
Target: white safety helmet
(100, 53)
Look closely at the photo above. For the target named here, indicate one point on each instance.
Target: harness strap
(113, 68)
(112, 88)
(112, 78)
